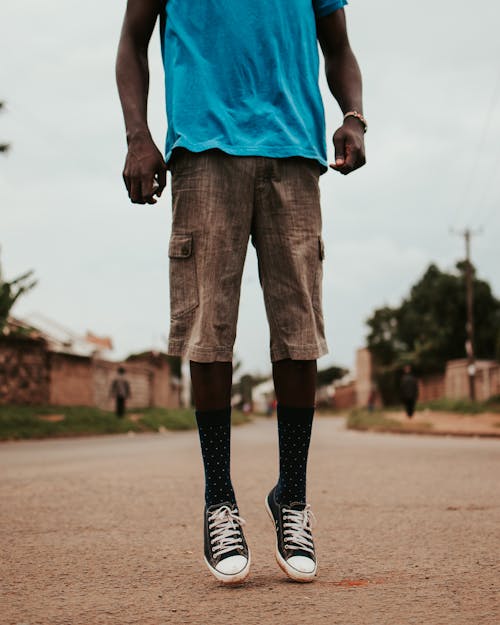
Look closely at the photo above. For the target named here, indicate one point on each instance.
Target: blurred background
(432, 97)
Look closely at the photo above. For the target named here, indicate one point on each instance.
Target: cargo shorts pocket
(182, 272)
(318, 279)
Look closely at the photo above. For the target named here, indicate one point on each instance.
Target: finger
(355, 158)
(148, 188)
(161, 177)
(339, 145)
(135, 191)
(126, 180)
(350, 160)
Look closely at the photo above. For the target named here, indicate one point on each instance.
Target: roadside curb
(428, 432)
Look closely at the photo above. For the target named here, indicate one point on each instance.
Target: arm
(144, 173)
(344, 79)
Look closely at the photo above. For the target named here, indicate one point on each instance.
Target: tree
(327, 376)
(428, 328)
(11, 291)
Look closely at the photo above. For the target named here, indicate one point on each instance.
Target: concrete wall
(364, 376)
(453, 384)
(140, 379)
(24, 372)
(456, 379)
(165, 392)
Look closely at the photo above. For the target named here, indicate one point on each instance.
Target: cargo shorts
(219, 201)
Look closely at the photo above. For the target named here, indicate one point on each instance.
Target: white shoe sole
(235, 578)
(297, 576)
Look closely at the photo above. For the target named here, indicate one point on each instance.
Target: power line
(479, 150)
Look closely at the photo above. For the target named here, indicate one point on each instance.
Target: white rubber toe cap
(232, 565)
(302, 564)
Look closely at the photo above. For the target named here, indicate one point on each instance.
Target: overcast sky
(432, 98)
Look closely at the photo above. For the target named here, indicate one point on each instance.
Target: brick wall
(30, 374)
(24, 372)
(345, 396)
(431, 387)
(70, 380)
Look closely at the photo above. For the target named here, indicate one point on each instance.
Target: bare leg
(295, 382)
(211, 384)
(212, 394)
(295, 386)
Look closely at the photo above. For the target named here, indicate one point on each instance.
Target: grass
(24, 422)
(178, 419)
(377, 421)
(462, 406)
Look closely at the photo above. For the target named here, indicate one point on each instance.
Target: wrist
(138, 136)
(355, 119)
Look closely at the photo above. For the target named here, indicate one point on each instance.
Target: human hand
(349, 143)
(145, 171)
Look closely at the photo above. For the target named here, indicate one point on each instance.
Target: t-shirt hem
(245, 150)
(331, 8)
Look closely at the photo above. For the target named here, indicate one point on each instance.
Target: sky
(432, 100)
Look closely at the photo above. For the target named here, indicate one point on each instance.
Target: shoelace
(224, 526)
(297, 527)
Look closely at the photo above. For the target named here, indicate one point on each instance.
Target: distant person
(120, 390)
(409, 390)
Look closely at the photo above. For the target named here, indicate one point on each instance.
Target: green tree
(11, 291)
(327, 376)
(428, 328)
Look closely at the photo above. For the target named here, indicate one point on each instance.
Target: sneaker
(226, 551)
(294, 543)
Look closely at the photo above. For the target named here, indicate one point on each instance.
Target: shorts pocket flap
(181, 246)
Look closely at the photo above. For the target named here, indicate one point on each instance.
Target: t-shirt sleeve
(324, 7)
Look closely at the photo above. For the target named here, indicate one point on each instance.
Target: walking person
(120, 390)
(245, 146)
(409, 391)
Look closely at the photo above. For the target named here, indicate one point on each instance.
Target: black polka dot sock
(214, 428)
(294, 433)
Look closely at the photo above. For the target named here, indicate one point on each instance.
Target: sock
(214, 428)
(294, 433)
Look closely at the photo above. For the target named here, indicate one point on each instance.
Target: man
(120, 390)
(245, 146)
(409, 391)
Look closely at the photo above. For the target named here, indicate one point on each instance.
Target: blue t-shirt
(242, 76)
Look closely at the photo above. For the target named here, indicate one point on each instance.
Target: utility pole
(469, 325)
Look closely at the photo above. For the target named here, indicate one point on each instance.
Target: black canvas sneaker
(294, 543)
(226, 551)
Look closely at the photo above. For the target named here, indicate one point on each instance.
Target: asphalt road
(108, 531)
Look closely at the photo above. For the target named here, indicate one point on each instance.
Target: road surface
(108, 531)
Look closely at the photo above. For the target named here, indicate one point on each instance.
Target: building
(53, 366)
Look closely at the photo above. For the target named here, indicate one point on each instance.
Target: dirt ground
(483, 424)
(108, 531)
